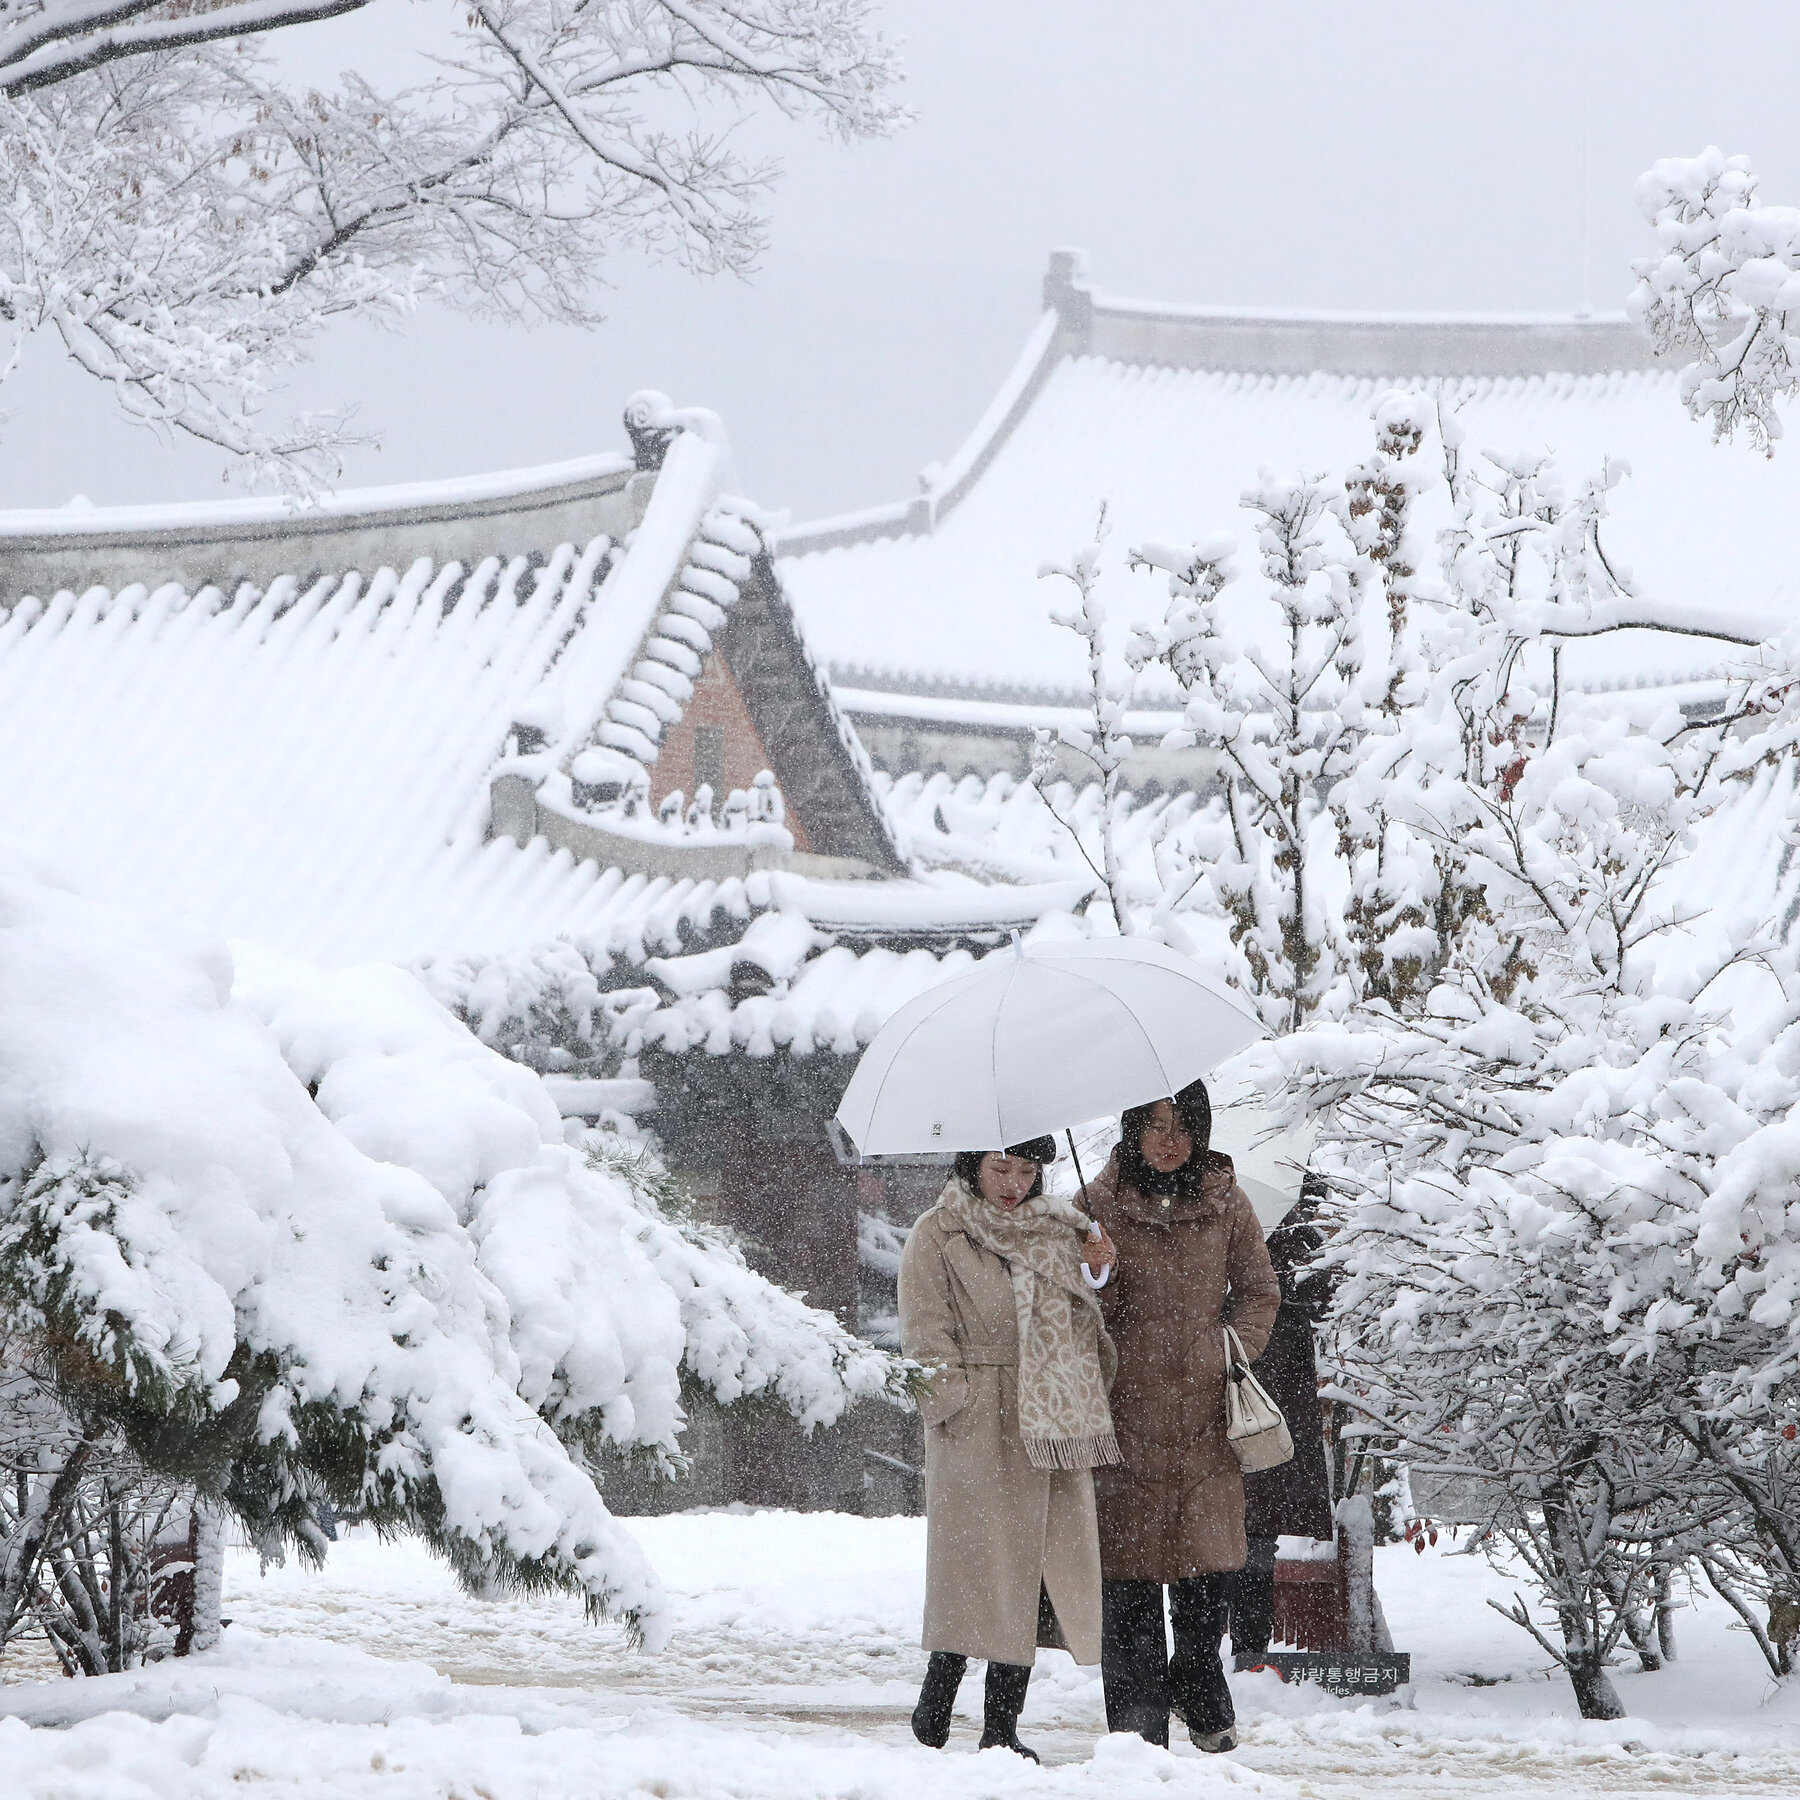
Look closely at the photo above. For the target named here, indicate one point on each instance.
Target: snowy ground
(790, 1676)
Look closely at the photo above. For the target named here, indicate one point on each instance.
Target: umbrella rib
(994, 1051)
(1149, 1041)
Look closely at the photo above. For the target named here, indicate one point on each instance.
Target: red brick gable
(717, 706)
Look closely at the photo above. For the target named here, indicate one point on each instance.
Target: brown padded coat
(999, 1534)
(1186, 1269)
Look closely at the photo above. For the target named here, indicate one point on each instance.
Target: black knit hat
(1040, 1150)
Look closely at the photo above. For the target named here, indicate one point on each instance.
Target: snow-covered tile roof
(944, 593)
(307, 767)
(767, 963)
(310, 763)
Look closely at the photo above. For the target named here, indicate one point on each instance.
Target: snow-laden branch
(302, 1237)
(62, 42)
(186, 224)
(1722, 292)
(1102, 743)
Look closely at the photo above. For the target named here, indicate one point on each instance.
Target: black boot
(1198, 1693)
(937, 1698)
(1003, 1701)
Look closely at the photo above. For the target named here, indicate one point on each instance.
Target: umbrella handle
(1074, 1156)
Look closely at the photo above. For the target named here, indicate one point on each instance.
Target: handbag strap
(1237, 1364)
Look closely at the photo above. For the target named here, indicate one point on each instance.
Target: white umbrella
(1270, 1162)
(1036, 1038)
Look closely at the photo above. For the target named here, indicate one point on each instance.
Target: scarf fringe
(1073, 1452)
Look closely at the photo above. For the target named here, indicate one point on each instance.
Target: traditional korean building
(933, 623)
(678, 808)
(555, 740)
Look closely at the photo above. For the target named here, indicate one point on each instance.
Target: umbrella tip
(1018, 944)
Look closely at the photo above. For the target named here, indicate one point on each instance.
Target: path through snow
(791, 1673)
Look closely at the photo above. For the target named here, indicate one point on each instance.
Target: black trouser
(1144, 1684)
(1253, 1601)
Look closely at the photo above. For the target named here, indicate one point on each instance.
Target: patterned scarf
(1065, 1356)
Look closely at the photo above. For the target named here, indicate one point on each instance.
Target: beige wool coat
(998, 1533)
(1187, 1268)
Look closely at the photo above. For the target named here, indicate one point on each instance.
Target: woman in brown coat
(1191, 1262)
(995, 1297)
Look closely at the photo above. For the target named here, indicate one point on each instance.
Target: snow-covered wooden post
(188, 1577)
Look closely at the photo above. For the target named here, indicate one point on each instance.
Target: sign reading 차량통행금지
(1340, 1672)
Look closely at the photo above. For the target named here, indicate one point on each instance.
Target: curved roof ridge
(1293, 341)
(224, 542)
(1077, 321)
(87, 520)
(942, 485)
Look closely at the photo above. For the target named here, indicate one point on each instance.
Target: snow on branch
(45, 44)
(1103, 743)
(1722, 291)
(186, 223)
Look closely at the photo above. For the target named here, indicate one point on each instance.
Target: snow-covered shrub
(1722, 290)
(1288, 702)
(746, 1338)
(299, 1237)
(1285, 685)
(1553, 1066)
(1543, 1298)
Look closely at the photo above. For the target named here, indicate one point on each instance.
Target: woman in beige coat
(995, 1298)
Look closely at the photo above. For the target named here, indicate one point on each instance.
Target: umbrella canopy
(1036, 1038)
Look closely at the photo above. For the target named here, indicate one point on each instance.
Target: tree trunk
(202, 1627)
(1642, 1624)
(1577, 1592)
(1594, 1691)
(44, 1512)
(1665, 1613)
(1368, 1627)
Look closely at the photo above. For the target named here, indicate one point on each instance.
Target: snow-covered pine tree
(286, 1238)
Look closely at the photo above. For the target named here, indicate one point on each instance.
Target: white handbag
(1258, 1434)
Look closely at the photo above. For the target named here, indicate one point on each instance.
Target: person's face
(1006, 1180)
(1165, 1144)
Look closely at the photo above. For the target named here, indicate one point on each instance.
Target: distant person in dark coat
(1293, 1499)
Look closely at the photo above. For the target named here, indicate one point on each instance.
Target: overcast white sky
(1410, 155)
